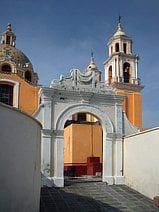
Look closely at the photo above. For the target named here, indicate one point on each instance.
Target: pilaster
(58, 158)
(46, 114)
(107, 160)
(118, 160)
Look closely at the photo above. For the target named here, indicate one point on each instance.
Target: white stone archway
(76, 94)
(58, 141)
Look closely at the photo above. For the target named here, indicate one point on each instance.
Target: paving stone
(94, 196)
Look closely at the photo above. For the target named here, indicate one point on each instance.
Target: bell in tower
(121, 72)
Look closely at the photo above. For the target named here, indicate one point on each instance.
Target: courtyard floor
(84, 196)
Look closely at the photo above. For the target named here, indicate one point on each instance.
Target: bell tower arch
(121, 72)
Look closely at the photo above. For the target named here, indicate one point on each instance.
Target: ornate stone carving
(81, 82)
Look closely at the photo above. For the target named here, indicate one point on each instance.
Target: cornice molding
(127, 86)
(121, 55)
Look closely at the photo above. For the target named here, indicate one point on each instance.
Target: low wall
(20, 137)
(141, 162)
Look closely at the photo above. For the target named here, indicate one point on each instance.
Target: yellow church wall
(28, 94)
(28, 98)
(68, 144)
(82, 141)
(132, 105)
(137, 109)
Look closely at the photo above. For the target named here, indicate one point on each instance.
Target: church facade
(83, 97)
(107, 111)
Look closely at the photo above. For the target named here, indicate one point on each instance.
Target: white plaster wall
(20, 182)
(141, 162)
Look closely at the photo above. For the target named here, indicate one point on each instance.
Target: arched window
(28, 76)
(8, 39)
(117, 47)
(6, 94)
(111, 49)
(125, 48)
(110, 75)
(6, 68)
(126, 72)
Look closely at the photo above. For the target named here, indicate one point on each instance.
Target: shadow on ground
(92, 196)
(55, 199)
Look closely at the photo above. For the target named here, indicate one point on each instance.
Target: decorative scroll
(87, 78)
(82, 82)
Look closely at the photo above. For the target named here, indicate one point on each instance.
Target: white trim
(15, 90)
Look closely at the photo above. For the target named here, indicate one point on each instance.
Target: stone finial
(9, 27)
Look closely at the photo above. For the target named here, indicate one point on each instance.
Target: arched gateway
(81, 93)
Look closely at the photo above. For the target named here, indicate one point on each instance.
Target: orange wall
(132, 105)
(28, 94)
(82, 141)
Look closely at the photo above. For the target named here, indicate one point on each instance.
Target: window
(6, 68)
(8, 39)
(6, 94)
(28, 76)
(126, 72)
(125, 48)
(117, 47)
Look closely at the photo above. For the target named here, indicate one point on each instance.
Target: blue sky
(58, 35)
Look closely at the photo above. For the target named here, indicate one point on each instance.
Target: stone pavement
(87, 196)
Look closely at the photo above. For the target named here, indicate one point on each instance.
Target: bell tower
(121, 72)
(8, 37)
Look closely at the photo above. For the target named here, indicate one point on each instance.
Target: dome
(91, 66)
(119, 31)
(21, 65)
(13, 54)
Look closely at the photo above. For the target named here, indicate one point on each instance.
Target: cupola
(8, 37)
(93, 68)
(12, 60)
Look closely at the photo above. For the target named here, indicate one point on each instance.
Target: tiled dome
(14, 54)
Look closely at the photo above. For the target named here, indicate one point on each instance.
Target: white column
(117, 145)
(117, 67)
(113, 69)
(136, 62)
(133, 72)
(46, 142)
(46, 158)
(58, 159)
(118, 117)
(118, 161)
(47, 113)
(121, 69)
(106, 74)
(107, 159)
